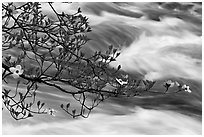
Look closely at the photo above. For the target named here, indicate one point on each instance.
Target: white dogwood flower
(169, 83)
(16, 71)
(186, 88)
(51, 112)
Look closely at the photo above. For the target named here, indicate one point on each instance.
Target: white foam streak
(142, 121)
(159, 51)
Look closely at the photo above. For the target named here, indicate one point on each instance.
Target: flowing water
(157, 41)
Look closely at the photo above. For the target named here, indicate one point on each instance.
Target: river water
(159, 43)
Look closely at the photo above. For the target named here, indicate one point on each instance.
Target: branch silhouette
(49, 52)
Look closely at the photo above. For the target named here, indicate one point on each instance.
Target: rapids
(155, 41)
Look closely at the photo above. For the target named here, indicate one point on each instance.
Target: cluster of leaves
(49, 50)
(20, 104)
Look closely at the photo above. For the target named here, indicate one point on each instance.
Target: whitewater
(154, 42)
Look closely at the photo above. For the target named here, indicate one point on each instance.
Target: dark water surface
(158, 41)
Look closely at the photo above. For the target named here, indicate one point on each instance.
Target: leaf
(27, 106)
(5, 102)
(38, 104)
(30, 115)
(114, 51)
(8, 102)
(137, 83)
(10, 37)
(79, 10)
(12, 110)
(74, 111)
(103, 56)
(17, 113)
(89, 29)
(21, 95)
(34, 94)
(62, 106)
(117, 55)
(28, 87)
(112, 59)
(8, 58)
(6, 92)
(42, 105)
(82, 54)
(108, 52)
(151, 84)
(145, 82)
(110, 47)
(119, 67)
(68, 105)
(24, 112)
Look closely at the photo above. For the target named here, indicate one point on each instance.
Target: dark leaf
(5, 102)
(28, 87)
(145, 82)
(24, 112)
(34, 94)
(8, 102)
(151, 84)
(27, 106)
(79, 10)
(12, 110)
(21, 95)
(82, 54)
(74, 111)
(112, 59)
(117, 55)
(30, 115)
(38, 104)
(42, 105)
(114, 51)
(17, 113)
(8, 58)
(68, 105)
(119, 67)
(62, 106)
(6, 92)
(110, 47)
(89, 29)
(108, 52)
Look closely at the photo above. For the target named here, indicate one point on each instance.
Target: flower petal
(18, 67)
(172, 84)
(20, 72)
(12, 69)
(15, 75)
(189, 91)
(177, 84)
(184, 86)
